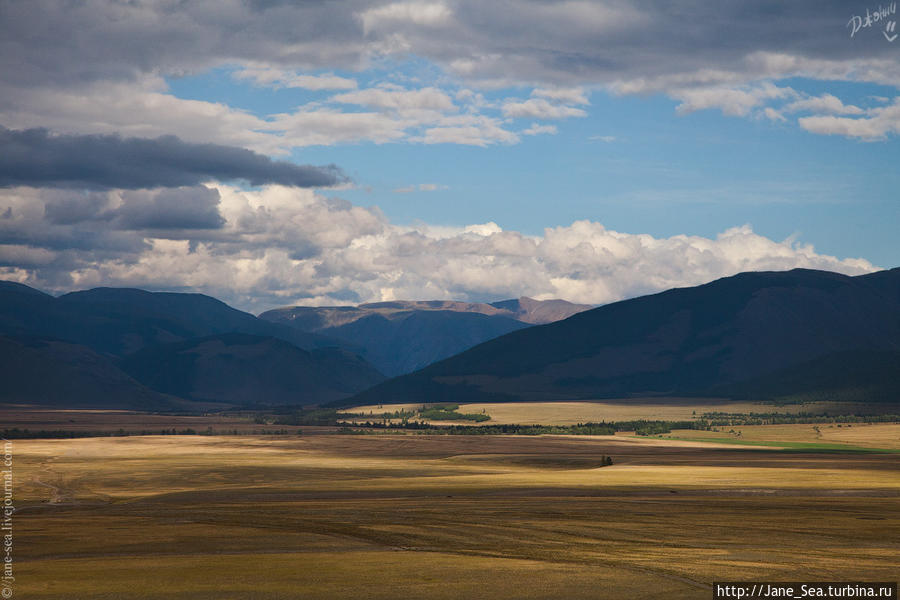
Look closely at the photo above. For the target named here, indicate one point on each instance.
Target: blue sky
(632, 163)
(274, 153)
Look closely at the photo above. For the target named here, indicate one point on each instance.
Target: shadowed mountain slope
(64, 351)
(850, 376)
(48, 372)
(692, 341)
(125, 320)
(250, 370)
(402, 336)
(119, 321)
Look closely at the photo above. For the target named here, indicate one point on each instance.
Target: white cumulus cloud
(280, 246)
(826, 103)
(429, 98)
(268, 76)
(877, 124)
(574, 95)
(539, 108)
(537, 129)
(428, 14)
(732, 101)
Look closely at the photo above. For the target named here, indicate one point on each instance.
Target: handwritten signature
(886, 14)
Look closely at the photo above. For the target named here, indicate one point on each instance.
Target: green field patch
(450, 412)
(785, 446)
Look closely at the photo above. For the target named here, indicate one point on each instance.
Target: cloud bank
(34, 157)
(101, 66)
(280, 245)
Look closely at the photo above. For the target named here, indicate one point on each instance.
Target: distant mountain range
(127, 348)
(400, 337)
(120, 321)
(795, 334)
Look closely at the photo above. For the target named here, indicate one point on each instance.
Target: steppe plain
(407, 515)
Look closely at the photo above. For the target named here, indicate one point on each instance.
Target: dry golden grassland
(862, 435)
(432, 516)
(665, 409)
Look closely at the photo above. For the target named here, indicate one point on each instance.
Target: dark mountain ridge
(686, 341)
(118, 321)
(250, 370)
(66, 351)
